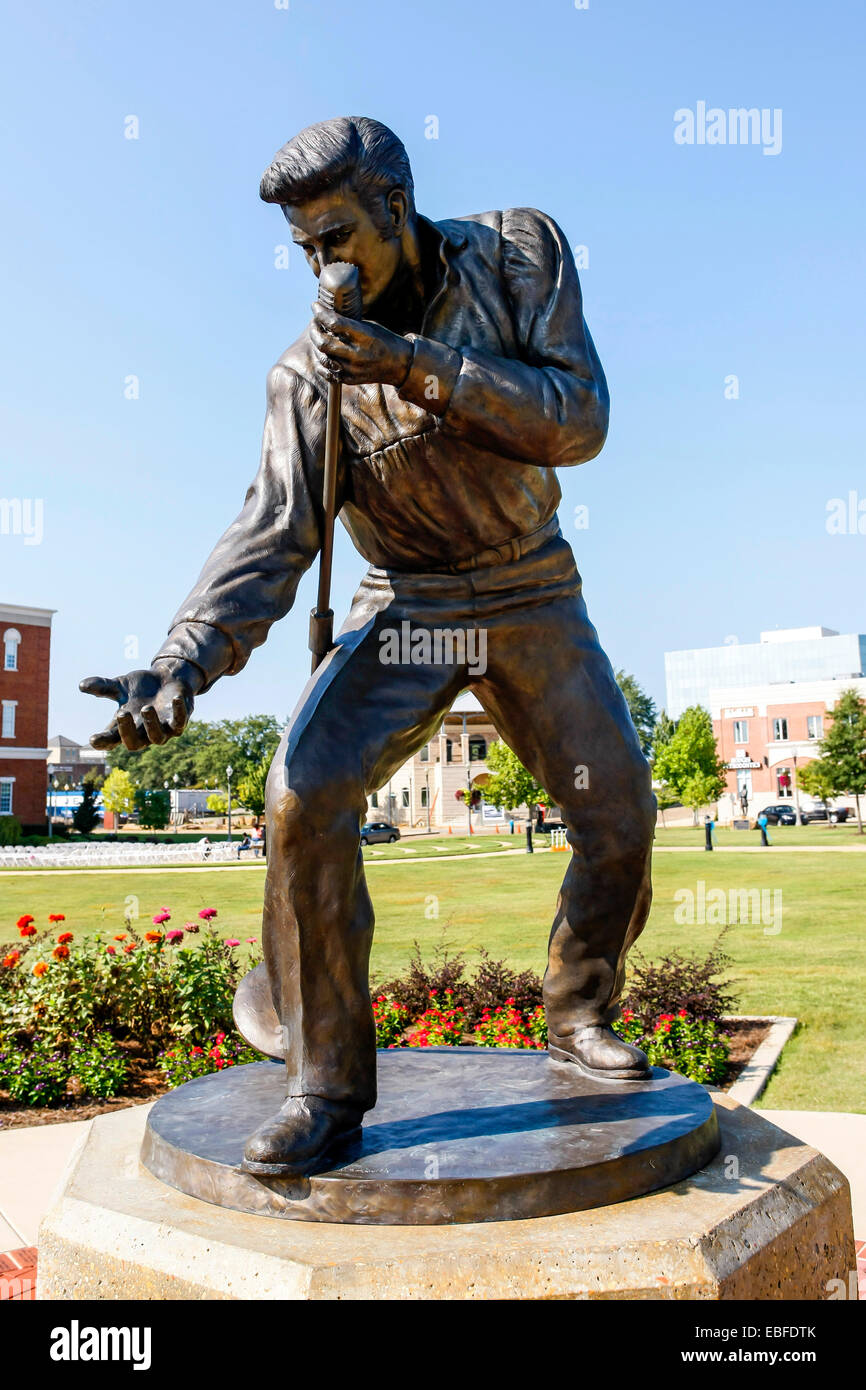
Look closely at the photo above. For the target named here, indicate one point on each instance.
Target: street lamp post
(175, 779)
(229, 771)
(427, 784)
(52, 788)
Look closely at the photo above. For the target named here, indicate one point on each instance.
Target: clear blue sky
(154, 257)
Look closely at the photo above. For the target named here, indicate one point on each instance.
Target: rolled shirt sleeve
(251, 577)
(550, 405)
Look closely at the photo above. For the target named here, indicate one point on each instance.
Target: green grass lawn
(815, 834)
(814, 968)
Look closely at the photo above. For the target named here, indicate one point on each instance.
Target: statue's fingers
(152, 727)
(106, 686)
(179, 715)
(131, 735)
(107, 738)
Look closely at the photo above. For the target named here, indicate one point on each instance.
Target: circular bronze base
(458, 1135)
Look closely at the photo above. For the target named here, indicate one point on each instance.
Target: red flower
(111, 951)
(129, 948)
(12, 959)
(24, 921)
(153, 936)
(27, 929)
(56, 917)
(64, 937)
(40, 968)
(60, 952)
(121, 936)
(682, 1014)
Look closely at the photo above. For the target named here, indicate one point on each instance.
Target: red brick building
(767, 733)
(25, 649)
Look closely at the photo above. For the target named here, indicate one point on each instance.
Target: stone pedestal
(767, 1218)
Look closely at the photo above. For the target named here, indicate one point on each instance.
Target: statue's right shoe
(299, 1138)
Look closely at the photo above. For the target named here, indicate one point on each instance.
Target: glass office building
(782, 657)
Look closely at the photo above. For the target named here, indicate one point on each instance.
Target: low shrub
(39, 1073)
(33, 1075)
(99, 1067)
(413, 989)
(679, 982)
(505, 1026)
(10, 830)
(696, 1048)
(440, 1025)
(180, 1064)
(391, 1020)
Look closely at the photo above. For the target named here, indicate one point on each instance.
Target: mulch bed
(146, 1084)
(745, 1035)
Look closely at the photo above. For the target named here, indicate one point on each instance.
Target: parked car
(834, 814)
(379, 832)
(780, 815)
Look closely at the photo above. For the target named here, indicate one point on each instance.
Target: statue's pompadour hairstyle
(350, 149)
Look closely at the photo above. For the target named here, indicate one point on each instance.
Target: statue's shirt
(505, 386)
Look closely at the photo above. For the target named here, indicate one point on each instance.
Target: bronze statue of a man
(469, 380)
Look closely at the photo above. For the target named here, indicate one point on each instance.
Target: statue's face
(337, 227)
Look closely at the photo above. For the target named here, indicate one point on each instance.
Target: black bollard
(529, 849)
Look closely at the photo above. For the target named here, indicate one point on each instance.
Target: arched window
(11, 640)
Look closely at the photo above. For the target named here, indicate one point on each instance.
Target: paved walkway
(447, 855)
(32, 1162)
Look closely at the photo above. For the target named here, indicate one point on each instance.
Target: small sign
(741, 825)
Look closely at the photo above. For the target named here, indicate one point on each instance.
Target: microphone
(340, 290)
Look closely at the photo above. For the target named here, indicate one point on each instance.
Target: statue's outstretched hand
(155, 705)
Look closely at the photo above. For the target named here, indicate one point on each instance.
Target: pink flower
(174, 935)
(251, 940)
(207, 913)
(232, 941)
(162, 916)
(110, 951)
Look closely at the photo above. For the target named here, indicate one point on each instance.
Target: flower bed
(88, 1019)
(109, 1019)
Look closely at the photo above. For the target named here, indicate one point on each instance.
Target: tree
(510, 784)
(153, 806)
(118, 793)
(666, 797)
(664, 730)
(243, 743)
(251, 788)
(843, 749)
(203, 751)
(641, 708)
(689, 762)
(816, 779)
(86, 816)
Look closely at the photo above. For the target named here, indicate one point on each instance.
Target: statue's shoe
(300, 1137)
(601, 1054)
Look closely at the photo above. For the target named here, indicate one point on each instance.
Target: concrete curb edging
(752, 1081)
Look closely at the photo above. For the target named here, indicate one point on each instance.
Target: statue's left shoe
(301, 1138)
(601, 1054)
